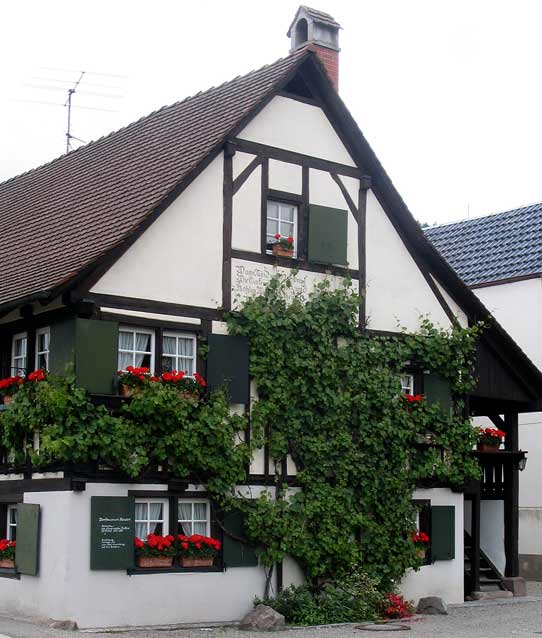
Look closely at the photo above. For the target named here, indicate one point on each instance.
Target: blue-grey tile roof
(495, 247)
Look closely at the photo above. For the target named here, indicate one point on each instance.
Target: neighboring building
(89, 247)
(500, 257)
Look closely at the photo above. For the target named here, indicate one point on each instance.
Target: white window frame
(15, 369)
(9, 524)
(182, 335)
(165, 514)
(136, 329)
(278, 219)
(192, 520)
(43, 331)
(408, 387)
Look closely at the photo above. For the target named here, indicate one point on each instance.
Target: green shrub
(354, 598)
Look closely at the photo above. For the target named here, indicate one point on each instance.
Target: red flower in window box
(188, 387)
(283, 246)
(412, 399)
(197, 550)
(132, 379)
(7, 553)
(489, 439)
(421, 541)
(9, 386)
(38, 375)
(156, 551)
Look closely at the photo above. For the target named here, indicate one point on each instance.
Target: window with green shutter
(89, 347)
(328, 235)
(442, 532)
(236, 553)
(227, 366)
(437, 390)
(28, 539)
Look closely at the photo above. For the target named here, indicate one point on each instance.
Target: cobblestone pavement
(488, 619)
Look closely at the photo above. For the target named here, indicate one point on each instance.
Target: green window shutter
(62, 347)
(112, 531)
(96, 349)
(236, 554)
(437, 391)
(28, 539)
(328, 235)
(442, 532)
(227, 366)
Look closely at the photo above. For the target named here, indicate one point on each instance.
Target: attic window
(301, 32)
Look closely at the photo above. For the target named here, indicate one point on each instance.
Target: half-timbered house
(131, 249)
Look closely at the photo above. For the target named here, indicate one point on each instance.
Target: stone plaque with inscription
(112, 531)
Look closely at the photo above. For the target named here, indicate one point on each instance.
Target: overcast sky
(447, 92)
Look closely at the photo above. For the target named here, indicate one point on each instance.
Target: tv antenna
(98, 82)
(68, 103)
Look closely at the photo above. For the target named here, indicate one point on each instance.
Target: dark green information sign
(112, 532)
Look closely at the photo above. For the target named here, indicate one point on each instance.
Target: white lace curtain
(149, 519)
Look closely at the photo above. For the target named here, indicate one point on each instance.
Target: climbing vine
(329, 400)
(329, 396)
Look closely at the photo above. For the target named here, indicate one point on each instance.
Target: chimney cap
(316, 16)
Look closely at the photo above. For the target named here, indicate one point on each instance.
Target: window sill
(9, 573)
(137, 571)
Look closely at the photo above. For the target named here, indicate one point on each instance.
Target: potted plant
(421, 541)
(412, 400)
(157, 551)
(283, 246)
(187, 387)
(197, 551)
(489, 439)
(132, 380)
(9, 386)
(7, 553)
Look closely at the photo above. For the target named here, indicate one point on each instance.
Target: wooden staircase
(490, 577)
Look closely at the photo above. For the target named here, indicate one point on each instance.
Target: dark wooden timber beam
(353, 208)
(365, 184)
(291, 157)
(511, 498)
(245, 174)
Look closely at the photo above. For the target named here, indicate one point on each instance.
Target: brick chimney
(319, 32)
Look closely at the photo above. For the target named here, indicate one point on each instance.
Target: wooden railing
(495, 470)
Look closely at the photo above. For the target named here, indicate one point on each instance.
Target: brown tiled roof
(56, 220)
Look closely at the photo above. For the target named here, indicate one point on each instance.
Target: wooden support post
(511, 498)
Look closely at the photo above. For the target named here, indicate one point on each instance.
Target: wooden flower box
(192, 561)
(487, 447)
(7, 563)
(280, 251)
(154, 561)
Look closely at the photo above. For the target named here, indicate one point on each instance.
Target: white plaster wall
(325, 192)
(442, 578)
(240, 162)
(247, 214)
(169, 262)
(285, 177)
(492, 532)
(459, 313)
(298, 127)
(292, 573)
(397, 293)
(67, 589)
(517, 307)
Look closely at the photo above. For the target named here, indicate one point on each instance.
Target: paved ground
(491, 619)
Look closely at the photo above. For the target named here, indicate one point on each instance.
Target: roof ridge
(151, 114)
(483, 216)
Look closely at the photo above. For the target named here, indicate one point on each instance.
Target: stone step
(490, 595)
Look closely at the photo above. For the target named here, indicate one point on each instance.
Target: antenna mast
(68, 103)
